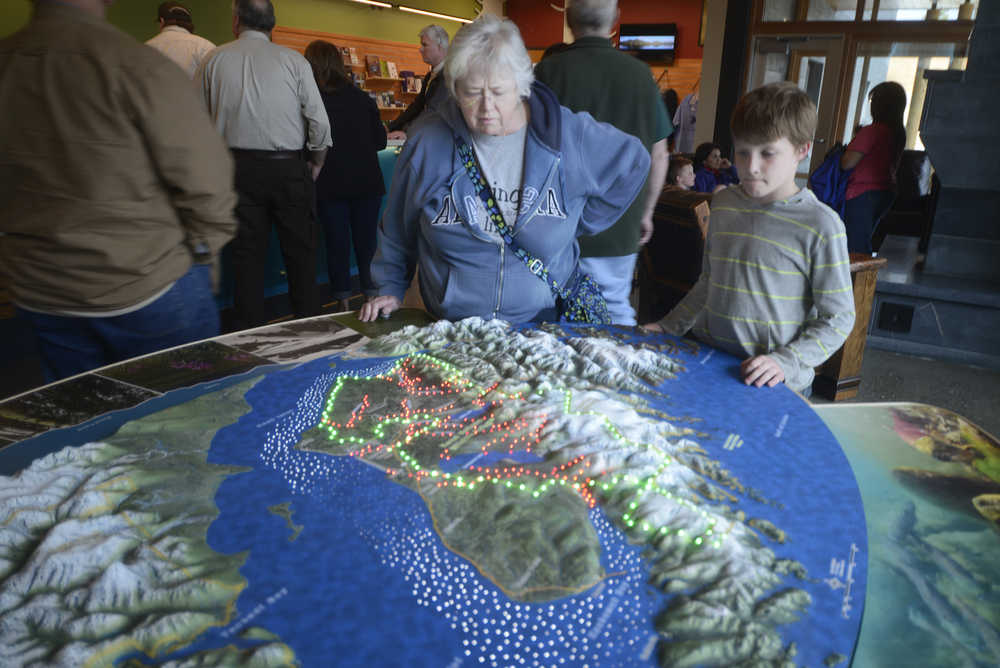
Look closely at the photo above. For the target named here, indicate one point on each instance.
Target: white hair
(436, 33)
(588, 17)
(489, 45)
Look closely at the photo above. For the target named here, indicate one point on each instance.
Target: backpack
(829, 182)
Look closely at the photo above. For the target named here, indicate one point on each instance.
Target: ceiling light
(448, 17)
(374, 3)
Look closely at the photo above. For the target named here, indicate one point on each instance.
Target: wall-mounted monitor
(654, 42)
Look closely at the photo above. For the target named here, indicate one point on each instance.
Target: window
(888, 10)
(917, 10)
(809, 10)
(905, 64)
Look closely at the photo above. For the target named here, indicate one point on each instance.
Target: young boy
(680, 173)
(775, 286)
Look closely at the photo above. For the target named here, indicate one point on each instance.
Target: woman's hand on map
(652, 328)
(761, 370)
(380, 306)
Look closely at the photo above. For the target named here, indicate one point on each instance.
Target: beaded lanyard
(534, 264)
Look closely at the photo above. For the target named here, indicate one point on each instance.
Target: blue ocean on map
(366, 577)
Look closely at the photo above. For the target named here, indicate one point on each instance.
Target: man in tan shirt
(115, 191)
(264, 102)
(176, 39)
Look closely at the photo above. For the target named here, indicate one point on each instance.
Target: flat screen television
(654, 42)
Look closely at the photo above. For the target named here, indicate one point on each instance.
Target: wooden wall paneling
(682, 76)
(406, 56)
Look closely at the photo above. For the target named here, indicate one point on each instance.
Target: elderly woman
(553, 173)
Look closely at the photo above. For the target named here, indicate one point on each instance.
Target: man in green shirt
(591, 75)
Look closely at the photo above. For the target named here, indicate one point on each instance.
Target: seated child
(775, 286)
(712, 172)
(680, 173)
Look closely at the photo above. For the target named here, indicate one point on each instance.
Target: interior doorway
(812, 62)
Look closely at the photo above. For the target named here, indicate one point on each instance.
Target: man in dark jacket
(433, 49)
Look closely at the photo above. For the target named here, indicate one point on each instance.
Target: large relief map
(453, 495)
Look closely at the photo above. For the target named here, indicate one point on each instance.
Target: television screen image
(649, 41)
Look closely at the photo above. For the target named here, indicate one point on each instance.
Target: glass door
(904, 63)
(814, 64)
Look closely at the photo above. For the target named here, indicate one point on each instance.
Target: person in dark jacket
(349, 189)
(712, 172)
(433, 48)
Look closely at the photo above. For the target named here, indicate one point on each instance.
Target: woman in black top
(349, 189)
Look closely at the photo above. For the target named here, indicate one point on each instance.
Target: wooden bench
(840, 376)
(669, 265)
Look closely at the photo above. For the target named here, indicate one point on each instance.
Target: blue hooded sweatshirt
(579, 177)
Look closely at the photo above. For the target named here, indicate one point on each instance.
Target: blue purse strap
(533, 263)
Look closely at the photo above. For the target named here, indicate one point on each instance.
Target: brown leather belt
(266, 155)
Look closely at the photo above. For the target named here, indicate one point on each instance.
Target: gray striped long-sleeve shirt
(775, 280)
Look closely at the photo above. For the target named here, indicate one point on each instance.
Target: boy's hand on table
(761, 370)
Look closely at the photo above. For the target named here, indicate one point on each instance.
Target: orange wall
(540, 25)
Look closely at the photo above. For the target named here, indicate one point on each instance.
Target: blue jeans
(70, 345)
(344, 221)
(614, 276)
(861, 216)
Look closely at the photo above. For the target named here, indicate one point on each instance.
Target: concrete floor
(972, 392)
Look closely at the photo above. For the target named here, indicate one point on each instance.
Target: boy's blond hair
(773, 111)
